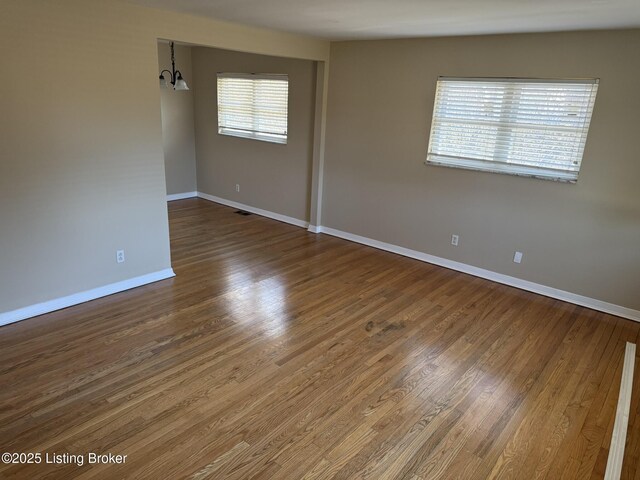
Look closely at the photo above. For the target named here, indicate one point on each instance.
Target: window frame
(503, 165)
(254, 134)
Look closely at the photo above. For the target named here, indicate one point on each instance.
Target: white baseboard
(257, 211)
(621, 422)
(490, 275)
(76, 298)
(315, 228)
(181, 196)
(619, 435)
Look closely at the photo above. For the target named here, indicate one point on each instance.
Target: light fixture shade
(180, 84)
(163, 82)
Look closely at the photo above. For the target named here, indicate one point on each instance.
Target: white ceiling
(359, 19)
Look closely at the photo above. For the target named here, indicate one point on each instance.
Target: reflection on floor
(277, 353)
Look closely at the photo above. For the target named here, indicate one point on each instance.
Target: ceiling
(360, 19)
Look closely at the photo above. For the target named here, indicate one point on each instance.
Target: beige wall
(271, 176)
(178, 138)
(582, 238)
(81, 166)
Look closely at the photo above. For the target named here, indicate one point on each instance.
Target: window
(535, 128)
(253, 106)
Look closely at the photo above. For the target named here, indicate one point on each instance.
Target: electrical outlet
(517, 257)
(237, 187)
(454, 240)
(120, 256)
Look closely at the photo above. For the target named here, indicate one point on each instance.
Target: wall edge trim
(533, 287)
(258, 211)
(181, 196)
(48, 306)
(621, 422)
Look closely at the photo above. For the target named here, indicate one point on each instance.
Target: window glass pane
(524, 127)
(253, 106)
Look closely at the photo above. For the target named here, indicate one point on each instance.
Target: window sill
(263, 137)
(517, 171)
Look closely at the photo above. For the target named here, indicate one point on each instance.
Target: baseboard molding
(621, 422)
(257, 211)
(181, 196)
(490, 275)
(76, 298)
(315, 228)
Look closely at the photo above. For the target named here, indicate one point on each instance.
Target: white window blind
(525, 127)
(253, 106)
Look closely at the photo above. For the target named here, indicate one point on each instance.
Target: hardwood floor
(276, 353)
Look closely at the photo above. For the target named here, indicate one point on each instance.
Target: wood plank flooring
(279, 354)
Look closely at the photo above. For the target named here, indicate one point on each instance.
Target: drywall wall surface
(582, 238)
(178, 137)
(273, 177)
(82, 164)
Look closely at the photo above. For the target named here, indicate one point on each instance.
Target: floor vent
(243, 213)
